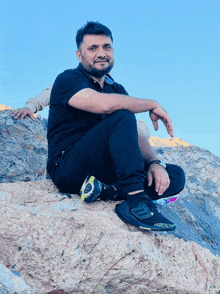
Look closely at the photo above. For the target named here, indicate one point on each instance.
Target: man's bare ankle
(135, 192)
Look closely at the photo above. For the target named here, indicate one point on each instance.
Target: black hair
(92, 28)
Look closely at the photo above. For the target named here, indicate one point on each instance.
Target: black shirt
(66, 124)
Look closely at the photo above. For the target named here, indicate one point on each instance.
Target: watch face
(162, 163)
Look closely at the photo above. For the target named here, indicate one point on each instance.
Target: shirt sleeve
(66, 85)
(40, 101)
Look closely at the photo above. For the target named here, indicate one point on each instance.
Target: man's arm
(155, 171)
(95, 102)
(34, 105)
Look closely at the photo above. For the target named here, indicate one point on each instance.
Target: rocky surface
(60, 243)
(54, 243)
(23, 149)
(167, 142)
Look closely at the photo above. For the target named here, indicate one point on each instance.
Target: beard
(98, 73)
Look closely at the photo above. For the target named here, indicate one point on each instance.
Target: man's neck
(100, 81)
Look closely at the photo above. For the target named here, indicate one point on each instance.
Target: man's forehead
(96, 40)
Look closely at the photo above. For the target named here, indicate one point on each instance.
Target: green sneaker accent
(164, 226)
(91, 189)
(146, 229)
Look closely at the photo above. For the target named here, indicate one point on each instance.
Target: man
(92, 131)
(33, 105)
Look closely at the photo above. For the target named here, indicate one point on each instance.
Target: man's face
(96, 55)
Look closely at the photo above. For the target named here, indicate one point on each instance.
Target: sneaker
(164, 201)
(92, 190)
(139, 210)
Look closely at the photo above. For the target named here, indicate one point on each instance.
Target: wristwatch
(160, 162)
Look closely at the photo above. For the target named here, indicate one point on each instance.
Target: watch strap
(157, 161)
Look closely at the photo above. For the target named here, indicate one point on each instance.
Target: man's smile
(101, 60)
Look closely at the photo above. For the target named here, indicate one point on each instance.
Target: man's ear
(79, 55)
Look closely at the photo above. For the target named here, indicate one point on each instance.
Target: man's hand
(160, 176)
(22, 112)
(159, 113)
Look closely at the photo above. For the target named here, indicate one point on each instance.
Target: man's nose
(101, 52)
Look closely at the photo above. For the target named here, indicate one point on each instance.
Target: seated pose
(94, 145)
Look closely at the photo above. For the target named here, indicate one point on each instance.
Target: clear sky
(164, 50)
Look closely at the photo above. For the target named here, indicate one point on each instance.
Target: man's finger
(15, 112)
(169, 130)
(160, 187)
(17, 115)
(32, 117)
(164, 185)
(23, 114)
(155, 124)
(157, 184)
(150, 179)
(168, 184)
(168, 124)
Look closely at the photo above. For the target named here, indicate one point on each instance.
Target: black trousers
(110, 152)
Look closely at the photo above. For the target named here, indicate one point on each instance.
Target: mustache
(101, 59)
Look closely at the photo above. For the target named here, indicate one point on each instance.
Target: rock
(3, 107)
(23, 149)
(167, 142)
(55, 243)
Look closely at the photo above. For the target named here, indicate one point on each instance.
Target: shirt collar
(108, 78)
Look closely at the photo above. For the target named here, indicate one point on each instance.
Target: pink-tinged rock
(57, 292)
(56, 242)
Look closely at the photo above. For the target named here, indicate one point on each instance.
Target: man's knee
(182, 177)
(123, 113)
(124, 116)
(177, 176)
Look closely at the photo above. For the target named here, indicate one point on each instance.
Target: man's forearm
(145, 148)
(133, 104)
(95, 102)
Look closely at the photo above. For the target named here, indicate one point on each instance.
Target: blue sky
(164, 50)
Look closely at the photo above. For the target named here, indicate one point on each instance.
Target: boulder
(54, 243)
(23, 148)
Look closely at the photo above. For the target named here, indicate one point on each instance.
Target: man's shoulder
(69, 77)
(67, 84)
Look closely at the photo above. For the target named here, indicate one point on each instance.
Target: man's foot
(92, 190)
(167, 200)
(139, 210)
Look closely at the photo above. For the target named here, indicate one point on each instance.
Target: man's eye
(92, 49)
(108, 47)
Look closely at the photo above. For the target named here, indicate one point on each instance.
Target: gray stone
(23, 149)
(9, 122)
